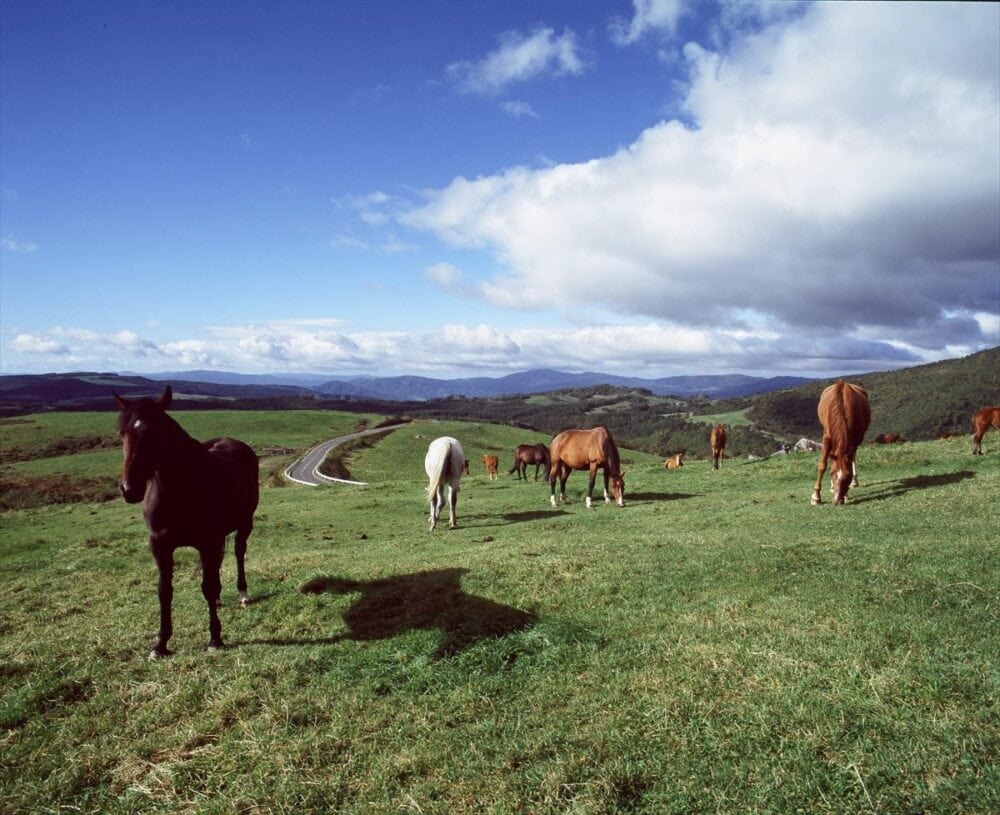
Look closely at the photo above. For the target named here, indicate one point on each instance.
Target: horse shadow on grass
(901, 486)
(424, 600)
(642, 497)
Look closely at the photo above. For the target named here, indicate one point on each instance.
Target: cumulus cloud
(518, 58)
(647, 15)
(833, 184)
(34, 343)
(646, 349)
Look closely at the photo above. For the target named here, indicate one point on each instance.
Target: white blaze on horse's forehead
(137, 425)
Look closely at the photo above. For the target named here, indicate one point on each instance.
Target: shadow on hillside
(902, 486)
(425, 600)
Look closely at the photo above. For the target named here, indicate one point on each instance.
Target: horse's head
(841, 475)
(143, 432)
(618, 487)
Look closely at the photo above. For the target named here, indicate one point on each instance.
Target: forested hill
(918, 403)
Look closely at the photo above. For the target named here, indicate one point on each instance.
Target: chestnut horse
(444, 464)
(491, 463)
(193, 494)
(982, 420)
(718, 442)
(586, 450)
(844, 413)
(525, 454)
(675, 461)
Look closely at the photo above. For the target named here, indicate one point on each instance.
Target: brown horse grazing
(675, 461)
(844, 413)
(982, 420)
(525, 454)
(718, 442)
(193, 494)
(887, 438)
(586, 450)
(491, 463)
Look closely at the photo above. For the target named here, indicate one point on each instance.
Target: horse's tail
(439, 469)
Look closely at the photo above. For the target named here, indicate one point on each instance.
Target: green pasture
(716, 646)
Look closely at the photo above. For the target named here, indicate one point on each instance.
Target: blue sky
(475, 188)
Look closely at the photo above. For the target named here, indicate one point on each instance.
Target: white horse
(444, 463)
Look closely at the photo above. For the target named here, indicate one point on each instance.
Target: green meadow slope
(718, 645)
(918, 403)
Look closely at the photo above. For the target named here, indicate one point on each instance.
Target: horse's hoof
(245, 600)
(815, 501)
(158, 653)
(216, 647)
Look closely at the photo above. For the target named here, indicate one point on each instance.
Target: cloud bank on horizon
(825, 199)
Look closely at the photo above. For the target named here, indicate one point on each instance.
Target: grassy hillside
(68, 457)
(718, 645)
(918, 403)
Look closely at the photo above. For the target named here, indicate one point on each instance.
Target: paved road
(306, 469)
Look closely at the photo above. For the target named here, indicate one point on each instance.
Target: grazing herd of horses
(197, 493)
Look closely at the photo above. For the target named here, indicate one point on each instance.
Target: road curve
(306, 469)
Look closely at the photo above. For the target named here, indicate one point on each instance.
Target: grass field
(717, 646)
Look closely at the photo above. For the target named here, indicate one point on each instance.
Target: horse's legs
(820, 469)
(435, 507)
(559, 473)
(854, 473)
(452, 504)
(164, 557)
(211, 588)
(590, 485)
(241, 550)
(607, 481)
(977, 441)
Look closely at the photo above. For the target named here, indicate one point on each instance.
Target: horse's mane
(841, 420)
(611, 453)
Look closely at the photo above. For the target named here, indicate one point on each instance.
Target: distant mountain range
(419, 388)
(83, 389)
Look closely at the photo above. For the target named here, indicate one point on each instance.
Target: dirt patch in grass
(26, 492)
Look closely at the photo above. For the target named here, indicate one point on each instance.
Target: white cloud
(518, 58)
(834, 184)
(12, 244)
(446, 277)
(648, 15)
(649, 349)
(517, 109)
(33, 343)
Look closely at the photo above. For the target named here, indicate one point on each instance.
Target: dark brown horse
(193, 494)
(887, 438)
(844, 413)
(525, 454)
(717, 440)
(982, 420)
(591, 450)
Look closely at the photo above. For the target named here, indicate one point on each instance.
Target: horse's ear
(123, 404)
(164, 401)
